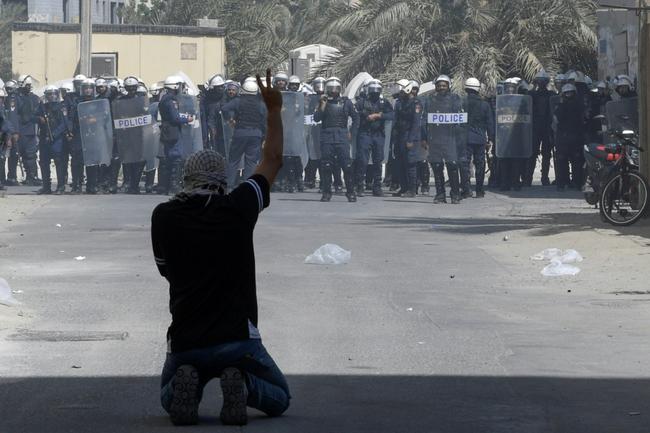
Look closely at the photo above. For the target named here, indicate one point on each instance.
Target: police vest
(335, 115)
(249, 115)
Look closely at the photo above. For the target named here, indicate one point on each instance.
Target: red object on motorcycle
(610, 157)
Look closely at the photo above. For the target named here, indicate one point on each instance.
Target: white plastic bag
(547, 254)
(329, 254)
(6, 298)
(566, 256)
(559, 269)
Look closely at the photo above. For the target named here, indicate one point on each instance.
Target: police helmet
(216, 81)
(250, 86)
(444, 78)
(51, 93)
(173, 82)
(87, 87)
(473, 84)
(318, 84)
(280, 76)
(542, 76)
(405, 85)
(333, 86)
(623, 80)
(11, 85)
(294, 83)
(567, 88)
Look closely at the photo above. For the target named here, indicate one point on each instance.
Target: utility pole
(85, 19)
(644, 85)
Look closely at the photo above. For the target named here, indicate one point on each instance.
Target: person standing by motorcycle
(570, 132)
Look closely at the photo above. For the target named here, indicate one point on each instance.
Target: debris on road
(329, 254)
(59, 225)
(559, 269)
(506, 238)
(560, 260)
(6, 298)
(409, 309)
(80, 258)
(76, 366)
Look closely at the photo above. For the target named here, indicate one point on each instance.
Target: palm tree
(9, 13)
(420, 39)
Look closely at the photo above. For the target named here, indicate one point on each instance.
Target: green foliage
(393, 39)
(9, 13)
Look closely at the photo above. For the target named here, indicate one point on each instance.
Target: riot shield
(152, 140)
(227, 135)
(293, 119)
(388, 129)
(131, 119)
(623, 114)
(96, 132)
(191, 138)
(314, 137)
(514, 133)
(446, 127)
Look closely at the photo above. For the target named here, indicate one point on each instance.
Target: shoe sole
(235, 395)
(184, 409)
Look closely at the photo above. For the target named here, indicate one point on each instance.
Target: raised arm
(272, 152)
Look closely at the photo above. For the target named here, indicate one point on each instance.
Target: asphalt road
(440, 322)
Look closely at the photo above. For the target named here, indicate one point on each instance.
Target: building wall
(51, 11)
(618, 41)
(50, 57)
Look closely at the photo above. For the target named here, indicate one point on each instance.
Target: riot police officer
(423, 173)
(212, 123)
(443, 139)
(52, 127)
(108, 174)
(480, 131)
(280, 81)
(570, 130)
(171, 163)
(154, 98)
(12, 121)
(132, 171)
(248, 115)
(624, 87)
(407, 139)
(373, 114)
(542, 132)
(27, 146)
(510, 169)
(74, 148)
(6, 133)
(334, 111)
(291, 172)
(318, 85)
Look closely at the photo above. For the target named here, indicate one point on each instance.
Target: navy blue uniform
(171, 163)
(542, 135)
(53, 124)
(407, 141)
(249, 115)
(6, 132)
(335, 142)
(480, 130)
(570, 137)
(211, 121)
(371, 140)
(26, 147)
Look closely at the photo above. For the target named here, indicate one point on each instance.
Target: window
(188, 51)
(103, 64)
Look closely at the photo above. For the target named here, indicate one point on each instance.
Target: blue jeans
(267, 388)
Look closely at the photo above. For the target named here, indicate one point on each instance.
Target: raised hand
(272, 96)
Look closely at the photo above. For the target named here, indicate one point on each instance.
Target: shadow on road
(331, 404)
(539, 225)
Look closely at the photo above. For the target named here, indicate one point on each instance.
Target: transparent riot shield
(191, 138)
(313, 144)
(152, 140)
(514, 133)
(623, 114)
(96, 131)
(446, 126)
(388, 130)
(293, 119)
(227, 135)
(131, 120)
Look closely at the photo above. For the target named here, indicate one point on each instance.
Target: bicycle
(624, 199)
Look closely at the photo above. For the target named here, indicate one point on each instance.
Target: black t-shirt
(205, 250)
